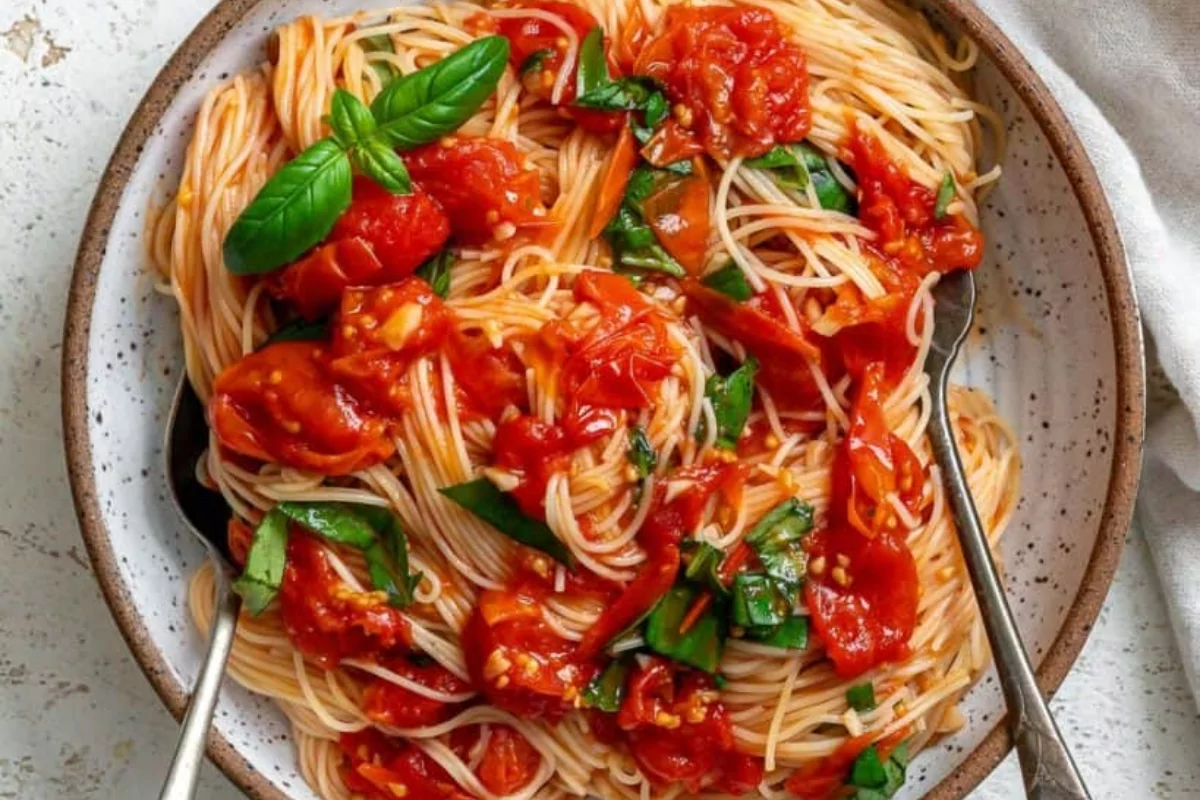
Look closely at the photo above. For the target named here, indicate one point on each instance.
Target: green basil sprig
(730, 281)
(732, 396)
(297, 208)
(500, 510)
(945, 195)
(375, 531)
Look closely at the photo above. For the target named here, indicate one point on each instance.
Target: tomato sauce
(483, 185)
(491, 379)
(388, 703)
(531, 35)
(380, 768)
(517, 661)
(738, 86)
(508, 762)
(324, 618)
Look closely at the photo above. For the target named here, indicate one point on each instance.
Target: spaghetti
(575, 435)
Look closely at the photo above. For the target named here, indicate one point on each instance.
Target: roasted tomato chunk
(389, 703)
(381, 768)
(281, 404)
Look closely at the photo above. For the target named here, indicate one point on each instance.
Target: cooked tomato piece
(388, 703)
(519, 663)
(532, 35)
(239, 537)
(377, 335)
(678, 730)
(313, 285)
(281, 404)
(678, 213)
(491, 378)
(325, 619)
(534, 450)
(660, 534)
(509, 761)
(767, 338)
(901, 212)
(377, 767)
(482, 184)
(741, 85)
(403, 230)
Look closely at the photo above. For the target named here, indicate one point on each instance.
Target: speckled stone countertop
(77, 719)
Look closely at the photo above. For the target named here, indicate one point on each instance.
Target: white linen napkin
(1127, 73)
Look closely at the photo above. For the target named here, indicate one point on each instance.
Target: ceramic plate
(1057, 346)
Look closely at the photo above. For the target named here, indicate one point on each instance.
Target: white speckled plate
(1058, 347)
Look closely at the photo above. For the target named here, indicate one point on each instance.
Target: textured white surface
(76, 717)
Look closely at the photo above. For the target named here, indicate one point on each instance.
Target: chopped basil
(380, 43)
(776, 538)
(732, 396)
(608, 688)
(436, 272)
(533, 63)
(260, 580)
(945, 196)
(867, 770)
(633, 242)
(703, 560)
(729, 280)
(700, 646)
(861, 697)
(875, 779)
(641, 453)
(796, 165)
(299, 330)
(592, 71)
(630, 93)
(793, 174)
(720, 681)
(501, 511)
(791, 635)
(758, 601)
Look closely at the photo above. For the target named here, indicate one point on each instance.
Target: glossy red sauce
(678, 731)
(282, 404)
(324, 618)
(482, 183)
(744, 87)
(660, 535)
(492, 379)
(387, 703)
(503, 637)
(375, 766)
(529, 35)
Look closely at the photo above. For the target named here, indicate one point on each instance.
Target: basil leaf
(730, 281)
(533, 63)
(380, 43)
(435, 101)
(633, 242)
(720, 681)
(945, 196)
(703, 562)
(293, 212)
(681, 167)
(387, 558)
(701, 646)
(592, 71)
(757, 601)
(299, 330)
(654, 111)
(861, 697)
(791, 635)
(876, 780)
(641, 453)
(830, 192)
(350, 119)
(867, 770)
(777, 540)
(260, 581)
(501, 511)
(607, 689)
(624, 94)
(436, 272)
(335, 522)
(731, 398)
(780, 157)
(383, 165)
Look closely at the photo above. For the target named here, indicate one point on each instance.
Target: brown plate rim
(967, 18)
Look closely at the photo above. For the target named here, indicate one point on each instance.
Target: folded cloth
(1127, 74)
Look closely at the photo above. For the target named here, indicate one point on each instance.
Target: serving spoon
(206, 516)
(1046, 765)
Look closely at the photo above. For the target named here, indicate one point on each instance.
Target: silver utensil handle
(189, 750)
(1046, 765)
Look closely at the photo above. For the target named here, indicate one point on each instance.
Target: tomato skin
(403, 230)
(280, 404)
(239, 536)
(769, 340)
(529, 35)
(376, 763)
(491, 378)
(744, 85)
(314, 284)
(480, 182)
(678, 214)
(324, 619)
(387, 703)
(509, 761)
(377, 335)
(512, 625)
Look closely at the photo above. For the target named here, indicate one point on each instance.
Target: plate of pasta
(563, 365)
